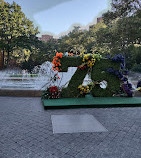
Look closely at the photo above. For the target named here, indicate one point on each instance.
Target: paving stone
(68, 156)
(72, 152)
(26, 132)
(76, 123)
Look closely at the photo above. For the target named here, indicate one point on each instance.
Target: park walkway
(26, 132)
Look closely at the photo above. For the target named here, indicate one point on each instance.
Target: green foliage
(49, 49)
(71, 90)
(123, 29)
(136, 68)
(16, 31)
(134, 60)
(98, 74)
(73, 42)
(81, 41)
(120, 9)
(70, 62)
(33, 61)
(134, 56)
(77, 79)
(120, 34)
(120, 30)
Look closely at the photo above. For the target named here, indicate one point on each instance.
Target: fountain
(21, 83)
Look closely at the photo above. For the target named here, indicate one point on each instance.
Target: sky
(57, 17)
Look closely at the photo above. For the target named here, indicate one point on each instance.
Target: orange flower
(56, 61)
(70, 54)
(59, 55)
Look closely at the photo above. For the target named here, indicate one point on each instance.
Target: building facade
(98, 20)
(45, 38)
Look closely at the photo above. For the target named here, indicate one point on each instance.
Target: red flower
(82, 67)
(53, 89)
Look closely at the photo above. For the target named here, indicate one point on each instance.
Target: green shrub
(99, 73)
(137, 68)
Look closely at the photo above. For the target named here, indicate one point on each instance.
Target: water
(18, 79)
(42, 77)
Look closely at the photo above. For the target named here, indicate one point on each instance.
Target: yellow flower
(79, 86)
(139, 89)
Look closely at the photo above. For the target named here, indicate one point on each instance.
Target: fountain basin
(20, 92)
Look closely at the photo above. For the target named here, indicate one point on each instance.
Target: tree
(50, 49)
(121, 33)
(74, 41)
(123, 25)
(16, 30)
(92, 43)
(80, 41)
(121, 8)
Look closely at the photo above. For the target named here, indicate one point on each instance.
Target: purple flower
(117, 58)
(127, 90)
(130, 85)
(122, 66)
(124, 79)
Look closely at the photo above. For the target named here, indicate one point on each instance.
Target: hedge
(99, 73)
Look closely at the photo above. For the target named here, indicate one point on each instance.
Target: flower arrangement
(51, 93)
(115, 72)
(56, 77)
(89, 60)
(117, 58)
(82, 66)
(56, 61)
(139, 89)
(85, 89)
(126, 87)
(70, 54)
(139, 86)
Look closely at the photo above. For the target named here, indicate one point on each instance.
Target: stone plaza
(26, 131)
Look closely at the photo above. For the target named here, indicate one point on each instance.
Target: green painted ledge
(90, 101)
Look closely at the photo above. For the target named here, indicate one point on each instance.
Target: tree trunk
(8, 55)
(0, 59)
(3, 59)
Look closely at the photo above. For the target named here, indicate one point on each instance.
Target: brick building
(98, 20)
(45, 38)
